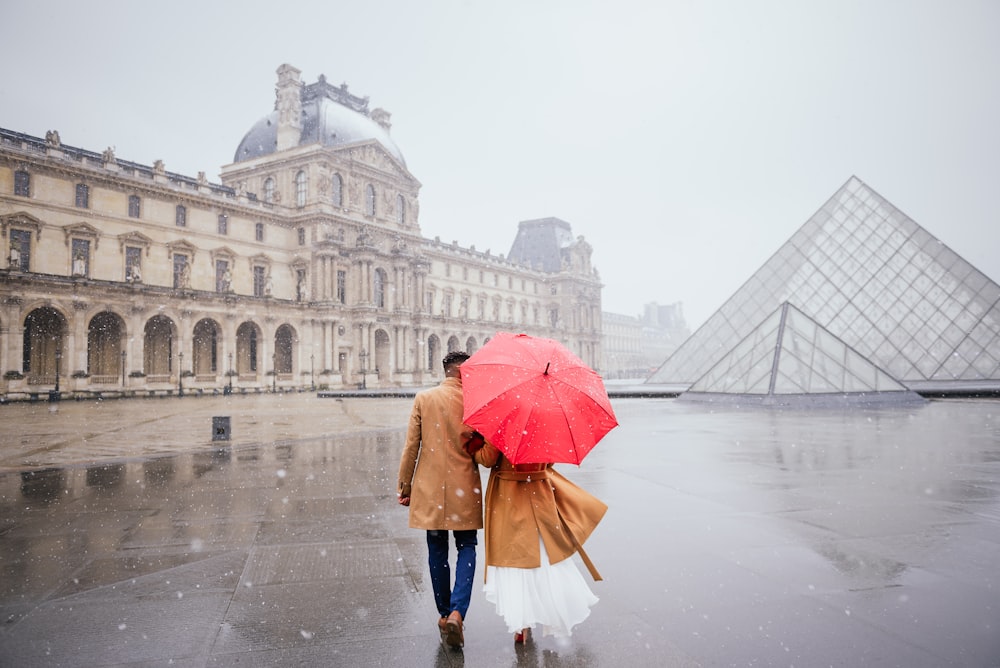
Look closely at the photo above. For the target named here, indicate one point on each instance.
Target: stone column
(76, 347)
(13, 334)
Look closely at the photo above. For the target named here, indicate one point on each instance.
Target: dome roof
(330, 115)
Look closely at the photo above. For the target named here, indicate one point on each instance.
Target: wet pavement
(128, 537)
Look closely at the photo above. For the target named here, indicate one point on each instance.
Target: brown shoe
(453, 630)
(443, 628)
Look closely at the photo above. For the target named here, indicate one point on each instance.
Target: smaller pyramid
(790, 359)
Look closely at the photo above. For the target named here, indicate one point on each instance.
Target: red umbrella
(535, 400)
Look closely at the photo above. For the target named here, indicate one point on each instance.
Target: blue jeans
(446, 598)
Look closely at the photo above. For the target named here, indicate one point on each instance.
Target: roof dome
(329, 115)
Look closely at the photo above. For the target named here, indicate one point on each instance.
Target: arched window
(379, 286)
(400, 210)
(300, 189)
(337, 188)
(370, 199)
(269, 190)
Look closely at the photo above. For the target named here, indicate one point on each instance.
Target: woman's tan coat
(435, 471)
(521, 505)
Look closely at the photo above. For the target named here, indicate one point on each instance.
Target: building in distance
(305, 267)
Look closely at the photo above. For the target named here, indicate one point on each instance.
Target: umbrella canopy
(535, 400)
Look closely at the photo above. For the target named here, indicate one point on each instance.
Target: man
(440, 483)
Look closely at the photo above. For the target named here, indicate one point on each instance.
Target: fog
(686, 141)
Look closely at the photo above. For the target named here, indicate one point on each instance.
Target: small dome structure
(329, 115)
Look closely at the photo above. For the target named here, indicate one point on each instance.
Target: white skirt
(554, 596)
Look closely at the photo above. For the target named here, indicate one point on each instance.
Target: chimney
(288, 103)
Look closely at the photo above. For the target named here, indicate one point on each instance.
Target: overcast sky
(686, 141)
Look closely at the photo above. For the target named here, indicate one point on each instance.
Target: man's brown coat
(440, 478)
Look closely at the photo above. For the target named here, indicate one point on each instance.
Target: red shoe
(453, 630)
(521, 637)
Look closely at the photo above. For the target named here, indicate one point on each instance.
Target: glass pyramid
(789, 356)
(876, 280)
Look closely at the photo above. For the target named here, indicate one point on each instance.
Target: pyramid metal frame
(789, 359)
(878, 281)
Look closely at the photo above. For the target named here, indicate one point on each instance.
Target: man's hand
(474, 444)
(404, 500)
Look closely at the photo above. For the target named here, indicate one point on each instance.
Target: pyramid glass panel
(789, 359)
(905, 290)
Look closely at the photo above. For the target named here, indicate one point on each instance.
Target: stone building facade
(305, 267)
(635, 346)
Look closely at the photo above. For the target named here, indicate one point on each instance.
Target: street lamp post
(123, 369)
(54, 395)
(180, 374)
(274, 371)
(364, 369)
(312, 373)
(230, 373)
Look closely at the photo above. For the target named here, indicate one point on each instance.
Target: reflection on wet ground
(734, 537)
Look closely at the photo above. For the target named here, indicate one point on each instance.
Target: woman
(535, 519)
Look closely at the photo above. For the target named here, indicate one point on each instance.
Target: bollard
(220, 428)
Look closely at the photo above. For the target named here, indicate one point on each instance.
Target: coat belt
(523, 476)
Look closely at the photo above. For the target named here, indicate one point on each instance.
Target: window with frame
(337, 190)
(181, 216)
(82, 195)
(258, 231)
(20, 250)
(379, 288)
(446, 306)
(301, 187)
(259, 280)
(182, 271)
(133, 264)
(223, 223)
(22, 183)
(341, 286)
(81, 257)
(269, 190)
(223, 277)
(134, 206)
(370, 199)
(302, 236)
(400, 210)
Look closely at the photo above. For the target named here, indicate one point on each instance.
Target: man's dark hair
(455, 357)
